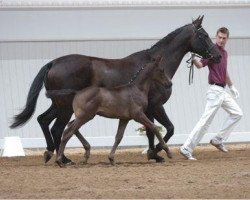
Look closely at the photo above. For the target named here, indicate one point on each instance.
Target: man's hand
(234, 92)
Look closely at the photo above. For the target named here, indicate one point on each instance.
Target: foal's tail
(33, 94)
(63, 92)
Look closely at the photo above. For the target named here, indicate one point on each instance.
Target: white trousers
(216, 97)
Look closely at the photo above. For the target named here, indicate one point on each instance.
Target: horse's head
(159, 74)
(202, 44)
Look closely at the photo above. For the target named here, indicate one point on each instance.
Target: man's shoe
(221, 146)
(186, 154)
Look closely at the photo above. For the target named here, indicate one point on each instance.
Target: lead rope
(190, 65)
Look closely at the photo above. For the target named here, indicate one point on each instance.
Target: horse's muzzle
(216, 59)
(214, 54)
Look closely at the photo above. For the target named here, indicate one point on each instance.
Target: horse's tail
(33, 94)
(63, 92)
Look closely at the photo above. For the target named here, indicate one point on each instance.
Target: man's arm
(197, 63)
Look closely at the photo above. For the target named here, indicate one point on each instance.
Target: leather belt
(218, 84)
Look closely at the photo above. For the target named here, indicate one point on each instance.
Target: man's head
(222, 36)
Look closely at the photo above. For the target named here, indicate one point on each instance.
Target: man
(216, 97)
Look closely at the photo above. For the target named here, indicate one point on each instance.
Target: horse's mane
(168, 38)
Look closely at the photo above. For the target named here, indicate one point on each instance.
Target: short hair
(223, 30)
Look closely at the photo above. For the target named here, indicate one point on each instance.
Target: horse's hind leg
(44, 121)
(119, 135)
(85, 144)
(62, 120)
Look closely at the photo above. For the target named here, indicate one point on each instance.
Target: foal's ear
(160, 68)
(198, 21)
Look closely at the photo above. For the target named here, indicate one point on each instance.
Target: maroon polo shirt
(217, 71)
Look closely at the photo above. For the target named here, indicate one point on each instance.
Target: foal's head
(157, 72)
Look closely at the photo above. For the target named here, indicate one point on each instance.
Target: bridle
(208, 54)
(201, 37)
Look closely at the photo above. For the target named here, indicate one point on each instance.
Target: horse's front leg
(161, 116)
(151, 153)
(119, 135)
(143, 119)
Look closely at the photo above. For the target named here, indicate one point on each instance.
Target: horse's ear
(198, 21)
(195, 21)
(201, 19)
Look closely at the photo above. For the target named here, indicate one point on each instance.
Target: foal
(124, 102)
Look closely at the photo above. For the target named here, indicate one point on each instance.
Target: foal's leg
(119, 135)
(44, 121)
(85, 144)
(142, 118)
(72, 129)
(67, 134)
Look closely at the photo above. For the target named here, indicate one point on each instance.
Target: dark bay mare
(123, 102)
(79, 71)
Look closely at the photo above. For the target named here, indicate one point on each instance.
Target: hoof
(47, 155)
(166, 149)
(85, 161)
(169, 154)
(112, 161)
(60, 163)
(70, 163)
(159, 159)
(67, 161)
(153, 156)
(86, 156)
